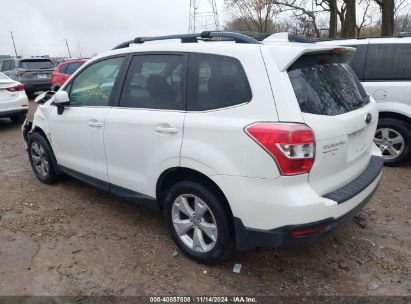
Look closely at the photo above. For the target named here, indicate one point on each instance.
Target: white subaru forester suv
(242, 144)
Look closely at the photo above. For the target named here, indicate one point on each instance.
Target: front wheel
(42, 158)
(393, 137)
(198, 222)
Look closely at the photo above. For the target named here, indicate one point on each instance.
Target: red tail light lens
(16, 88)
(291, 145)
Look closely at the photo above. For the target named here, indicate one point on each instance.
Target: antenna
(203, 16)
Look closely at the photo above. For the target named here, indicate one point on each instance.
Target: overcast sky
(40, 26)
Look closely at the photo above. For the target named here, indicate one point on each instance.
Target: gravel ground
(71, 239)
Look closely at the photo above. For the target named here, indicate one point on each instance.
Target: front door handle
(170, 130)
(95, 124)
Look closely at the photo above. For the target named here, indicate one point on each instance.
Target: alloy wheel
(40, 161)
(194, 223)
(390, 142)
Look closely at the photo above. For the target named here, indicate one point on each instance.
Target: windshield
(36, 64)
(325, 85)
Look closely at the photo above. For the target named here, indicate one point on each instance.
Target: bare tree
(244, 25)
(257, 15)
(302, 13)
(402, 23)
(345, 11)
(348, 28)
(387, 10)
(331, 7)
(366, 18)
(399, 5)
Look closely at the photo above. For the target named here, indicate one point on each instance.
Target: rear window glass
(36, 64)
(388, 62)
(325, 85)
(3, 77)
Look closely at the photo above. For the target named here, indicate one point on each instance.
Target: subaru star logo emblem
(368, 118)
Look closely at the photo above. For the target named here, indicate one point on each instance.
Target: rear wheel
(393, 137)
(42, 158)
(198, 222)
(18, 118)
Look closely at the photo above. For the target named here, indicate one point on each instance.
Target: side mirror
(61, 99)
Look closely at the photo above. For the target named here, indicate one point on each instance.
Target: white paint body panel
(76, 144)
(136, 153)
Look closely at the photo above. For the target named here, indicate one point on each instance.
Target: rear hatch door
(343, 117)
(36, 70)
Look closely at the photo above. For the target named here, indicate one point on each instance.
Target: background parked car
(63, 71)
(33, 73)
(13, 99)
(384, 67)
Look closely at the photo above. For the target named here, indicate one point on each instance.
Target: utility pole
(79, 48)
(203, 12)
(14, 44)
(68, 49)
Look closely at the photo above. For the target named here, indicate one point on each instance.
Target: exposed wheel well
(40, 131)
(171, 176)
(401, 117)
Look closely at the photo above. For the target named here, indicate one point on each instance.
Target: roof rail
(190, 38)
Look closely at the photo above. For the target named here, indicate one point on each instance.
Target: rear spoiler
(285, 54)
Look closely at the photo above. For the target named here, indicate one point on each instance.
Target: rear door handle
(170, 130)
(95, 124)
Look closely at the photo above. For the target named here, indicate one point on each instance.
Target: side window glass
(216, 82)
(388, 62)
(63, 68)
(93, 86)
(6, 65)
(72, 67)
(358, 61)
(154, 82)
(1, 66)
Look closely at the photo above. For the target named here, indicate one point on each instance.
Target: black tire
(18, 118)
(405, 131)
(37, 140)
(224, 244)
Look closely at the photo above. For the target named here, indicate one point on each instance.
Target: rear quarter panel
(215, 142)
